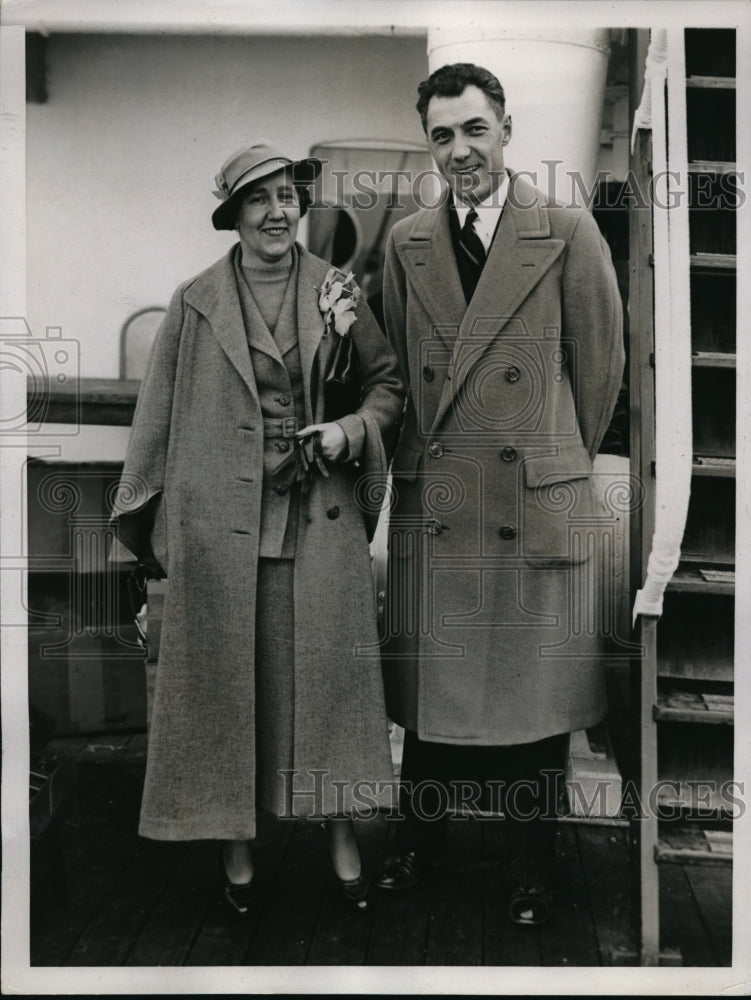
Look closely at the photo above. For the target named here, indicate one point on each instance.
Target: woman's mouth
(275, 231)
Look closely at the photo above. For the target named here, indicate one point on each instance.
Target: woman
(239, 489)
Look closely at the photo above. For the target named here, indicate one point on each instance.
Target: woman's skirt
(275, 685)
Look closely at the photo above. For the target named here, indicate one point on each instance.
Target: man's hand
(333, 439)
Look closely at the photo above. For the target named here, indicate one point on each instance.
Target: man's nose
(460, 150)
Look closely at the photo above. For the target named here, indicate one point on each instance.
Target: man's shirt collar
(488, 212)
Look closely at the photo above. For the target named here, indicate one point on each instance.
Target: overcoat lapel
(520, 254)
(430, 265)
(214, 294)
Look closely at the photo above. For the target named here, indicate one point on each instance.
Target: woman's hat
(248, 164)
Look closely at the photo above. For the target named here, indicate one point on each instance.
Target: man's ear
(506, 129)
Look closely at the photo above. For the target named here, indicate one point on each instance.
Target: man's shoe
(403, 871)
(531, 907)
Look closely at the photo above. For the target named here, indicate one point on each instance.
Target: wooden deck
(102, 896)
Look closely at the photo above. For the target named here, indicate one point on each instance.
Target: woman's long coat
(190, 497)
(494, 627)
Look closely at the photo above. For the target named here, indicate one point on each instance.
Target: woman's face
(268, 219)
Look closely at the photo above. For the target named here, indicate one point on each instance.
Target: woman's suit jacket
(191, 494)
(491, 639)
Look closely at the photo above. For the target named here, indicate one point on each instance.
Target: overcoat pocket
(558, 507)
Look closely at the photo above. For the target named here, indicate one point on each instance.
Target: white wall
(121, 158)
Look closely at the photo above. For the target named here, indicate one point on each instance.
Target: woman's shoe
(355, 891)
(238, 896)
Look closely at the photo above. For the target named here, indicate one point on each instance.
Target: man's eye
(440, 139)
(476, 129)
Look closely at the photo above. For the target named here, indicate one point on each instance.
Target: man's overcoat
(190, 497)
(493, 623)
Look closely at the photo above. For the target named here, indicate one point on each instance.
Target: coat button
(282, 445)
(435, 450)
(513, 374)
(428, 374)
(507, 531)
(281, 490)
(433, 527)
(283, 400)
(332, 513)
(508, 454)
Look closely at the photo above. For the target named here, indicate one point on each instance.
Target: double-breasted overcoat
(493, 625)
(190, 497)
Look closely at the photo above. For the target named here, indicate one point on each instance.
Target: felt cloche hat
(251, 163)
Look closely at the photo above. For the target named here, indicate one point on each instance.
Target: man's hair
(450, 81)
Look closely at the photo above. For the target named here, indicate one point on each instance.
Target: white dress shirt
(488, 212)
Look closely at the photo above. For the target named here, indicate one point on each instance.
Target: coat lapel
(521, 253)
(310, 275)
(430, 264)
(214, 294)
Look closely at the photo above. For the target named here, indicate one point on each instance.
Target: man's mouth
(473, 168)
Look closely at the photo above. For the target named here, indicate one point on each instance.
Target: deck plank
(128, 904)
(290, 916)
(167, 935)
(713, 891)
(605, 859)
(569, 938)
(680, 922)
(224, 938)
(455, 931)
(56, 924)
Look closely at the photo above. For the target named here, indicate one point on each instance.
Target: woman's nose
(275, 209)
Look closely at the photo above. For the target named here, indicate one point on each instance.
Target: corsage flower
(337, 300)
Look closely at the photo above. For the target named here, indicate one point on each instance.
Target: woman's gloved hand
(333, 440)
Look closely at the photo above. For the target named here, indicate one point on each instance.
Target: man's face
(466, 140)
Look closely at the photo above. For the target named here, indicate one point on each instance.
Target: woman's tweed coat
(190, 497)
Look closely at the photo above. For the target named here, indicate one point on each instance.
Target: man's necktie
(470, 242)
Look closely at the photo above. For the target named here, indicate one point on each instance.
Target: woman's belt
(285, 427)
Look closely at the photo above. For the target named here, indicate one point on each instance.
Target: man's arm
(592, 329)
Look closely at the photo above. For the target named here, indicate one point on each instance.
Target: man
(505, 314)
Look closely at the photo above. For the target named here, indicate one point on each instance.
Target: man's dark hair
(450, 81)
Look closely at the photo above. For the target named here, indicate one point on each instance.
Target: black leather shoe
(403, 871)
(238, 896)
(355, 892)
(531, 907)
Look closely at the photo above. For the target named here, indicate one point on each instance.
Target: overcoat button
(282, 445)
(434, 527)
(508, 454)
(435, 450)
(428, 374)
(281, 490)
(507, 531)
(283, 400)
(513, 374)
(332, 513)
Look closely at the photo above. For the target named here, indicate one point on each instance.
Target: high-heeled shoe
(355, 892)
(238, 896)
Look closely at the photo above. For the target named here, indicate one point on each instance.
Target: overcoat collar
(215, 296)
(521, 253)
